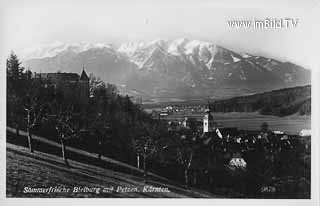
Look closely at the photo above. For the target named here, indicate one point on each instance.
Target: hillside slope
(41, 170)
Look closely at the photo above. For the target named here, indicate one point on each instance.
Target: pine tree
(15, 75)
(14, 71)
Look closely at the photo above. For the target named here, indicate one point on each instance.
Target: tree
(264, 127)
(98, 88)
(102, 131)
(66, 130)
(14, 71)
(15, 74)
(15, 89)
(36, 104)
(95, 83)
(15, 111)
(145, 147)
(184, 148)
(100, 113)
(34, 114)
(147, 144)
(185, 158)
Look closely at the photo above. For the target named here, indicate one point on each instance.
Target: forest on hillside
(282, 102)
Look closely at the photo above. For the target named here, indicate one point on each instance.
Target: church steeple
(84, 87)
(208, 122)
(84, 75)
(207, 109)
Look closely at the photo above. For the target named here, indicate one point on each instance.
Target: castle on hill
(72, 85)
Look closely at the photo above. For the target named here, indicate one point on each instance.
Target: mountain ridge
(176, 68)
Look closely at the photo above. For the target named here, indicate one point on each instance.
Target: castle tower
(84, 87)
(208, 122)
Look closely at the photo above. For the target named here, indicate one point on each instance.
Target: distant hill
(280, 102)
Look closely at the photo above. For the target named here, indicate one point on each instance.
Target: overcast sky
(28, 24)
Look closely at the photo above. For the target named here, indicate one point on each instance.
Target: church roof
(84, 75)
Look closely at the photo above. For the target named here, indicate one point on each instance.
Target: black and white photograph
(159, 99)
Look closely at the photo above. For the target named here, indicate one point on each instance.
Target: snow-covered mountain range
(170, 68)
